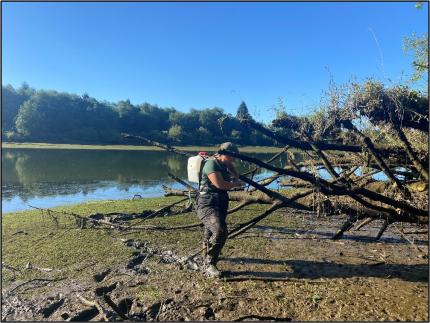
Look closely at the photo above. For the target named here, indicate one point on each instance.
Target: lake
(51, 177)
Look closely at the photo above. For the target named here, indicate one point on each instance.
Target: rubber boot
(211, 269)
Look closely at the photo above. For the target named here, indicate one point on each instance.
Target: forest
(31, 115)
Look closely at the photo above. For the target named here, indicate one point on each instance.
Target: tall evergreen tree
(242, 111)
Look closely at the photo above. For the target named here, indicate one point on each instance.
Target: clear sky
(200, 55)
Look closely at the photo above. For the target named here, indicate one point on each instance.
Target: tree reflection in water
(43, 173)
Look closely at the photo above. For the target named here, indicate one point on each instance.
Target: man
(212, 203)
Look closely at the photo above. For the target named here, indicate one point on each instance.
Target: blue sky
(200, 55)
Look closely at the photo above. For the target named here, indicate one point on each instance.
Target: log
(320, 144)
(412, 155)
(381, 163)
(239, 196)
(336, 189)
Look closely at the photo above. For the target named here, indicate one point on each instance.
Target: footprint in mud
(136, 264)
(136, 244)
(124, 305)
(106, 289)
(136, 260)
(101, 276)
(47, 311)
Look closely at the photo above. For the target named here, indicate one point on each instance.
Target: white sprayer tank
(193, 168)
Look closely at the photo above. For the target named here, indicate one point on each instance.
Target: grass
(30, 236)
(33, 237)
(35, 145)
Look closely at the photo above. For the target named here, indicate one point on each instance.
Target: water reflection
(45, 177)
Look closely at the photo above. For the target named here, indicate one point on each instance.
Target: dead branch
(154, 214)
(411, 154)
(344, 181)
(262, 318)
(161, 228)
(253, 171)
(29, 265)
(416, 232)
(276, 156)
(362, 224)
(119, 226)
(112, 304)
(53, 218)
(338, 189)
(239, 206)
(345, 227)
(319, 144)
(382, 229)
(190, 188)
(381, 163)
(375, 205)
(266, 181)
(102, 312)
(247, 225)
(47, 280)
(243, 227)
(239, 196)
(157, 144)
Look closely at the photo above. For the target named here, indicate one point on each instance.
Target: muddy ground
(288, 269)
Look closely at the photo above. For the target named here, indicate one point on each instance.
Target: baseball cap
(229, 146)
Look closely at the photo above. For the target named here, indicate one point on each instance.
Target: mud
(273, 272)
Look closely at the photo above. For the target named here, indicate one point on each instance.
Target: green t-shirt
(211, 165)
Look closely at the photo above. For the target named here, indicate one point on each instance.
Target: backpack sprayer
(195, 166)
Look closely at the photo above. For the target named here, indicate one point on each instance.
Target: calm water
(50, 177)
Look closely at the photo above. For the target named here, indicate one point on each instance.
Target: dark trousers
(211, 209)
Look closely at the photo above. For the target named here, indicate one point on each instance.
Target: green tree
(420, 50)
(11, 102)
(49, 116)
(242, 111)
(209, 119)
(176, 133)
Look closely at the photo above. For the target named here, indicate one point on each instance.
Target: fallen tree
(332, 142)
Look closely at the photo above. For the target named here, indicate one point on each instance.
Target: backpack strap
(201, 169)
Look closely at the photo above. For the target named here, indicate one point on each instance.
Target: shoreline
(35, 145)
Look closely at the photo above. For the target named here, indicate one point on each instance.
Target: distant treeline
(48, 116)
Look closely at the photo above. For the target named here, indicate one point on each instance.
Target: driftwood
(111, 219)
(339, 189)
(346, 185)
(102, 312)
(43, 280)
(379, 160)
(31, 266)
(238, 196)
(122, 227)
(154, 214)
